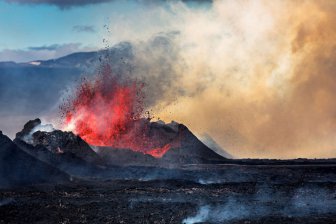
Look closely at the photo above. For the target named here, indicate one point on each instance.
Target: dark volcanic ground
(196, 194)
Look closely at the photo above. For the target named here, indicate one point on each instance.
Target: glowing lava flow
(107, 112)
(159, 152)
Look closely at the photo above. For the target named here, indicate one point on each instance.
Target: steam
(304, 202)
(201, 216)
(258, 77)
(42, 127)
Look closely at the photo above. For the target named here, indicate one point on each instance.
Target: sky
(258, 76)
(44, 29)
(32, 30)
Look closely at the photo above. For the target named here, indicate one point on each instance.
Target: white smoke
(42, 127)
(201, 216)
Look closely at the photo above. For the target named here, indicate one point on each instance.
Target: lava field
(249, 194)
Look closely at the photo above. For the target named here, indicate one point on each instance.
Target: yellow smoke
(259, 76)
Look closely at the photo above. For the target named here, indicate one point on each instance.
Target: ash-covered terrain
(51, 176)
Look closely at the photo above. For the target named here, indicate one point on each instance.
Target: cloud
(47, 47)
(41, 52)
(84, 28)
(64, 4)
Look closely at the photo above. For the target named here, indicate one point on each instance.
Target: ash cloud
(258, 77)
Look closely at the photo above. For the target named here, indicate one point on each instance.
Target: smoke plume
(257, 76)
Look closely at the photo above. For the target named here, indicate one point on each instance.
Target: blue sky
(45, 29)
(40, 27)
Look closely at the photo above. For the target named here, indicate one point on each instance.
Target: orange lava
(159, 152)
(107, 111)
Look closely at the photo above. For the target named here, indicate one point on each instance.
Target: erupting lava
(102, 109)
(107, 111)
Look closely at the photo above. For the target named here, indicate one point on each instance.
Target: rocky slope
(162, 144)
(63, 150)
(57, 142)
(19, 168)
(165, 144)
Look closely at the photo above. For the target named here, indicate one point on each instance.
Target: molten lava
(107, 111)
(101, 109)
(159, 152)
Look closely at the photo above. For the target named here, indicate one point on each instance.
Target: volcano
(169, 144)
(159, 144)
(107, 112)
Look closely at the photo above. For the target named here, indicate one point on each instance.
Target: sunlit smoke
(257, 76)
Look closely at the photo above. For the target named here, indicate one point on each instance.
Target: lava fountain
(107, 110)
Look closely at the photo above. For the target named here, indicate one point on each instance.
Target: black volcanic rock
(126, 157)
(19, 168)
(183, 147)
(57, 142)
(187, 148)
(28, 128)
(66, 161)
(60, 142)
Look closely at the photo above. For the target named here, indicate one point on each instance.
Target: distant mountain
(8, 64)
(79, 60)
